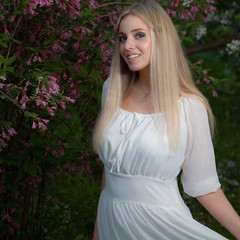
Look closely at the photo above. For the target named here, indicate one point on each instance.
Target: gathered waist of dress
(143, 190)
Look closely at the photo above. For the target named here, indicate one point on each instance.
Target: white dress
(141, 200)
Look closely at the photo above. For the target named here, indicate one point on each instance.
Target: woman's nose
(129, 44)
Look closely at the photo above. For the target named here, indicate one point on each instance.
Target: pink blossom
(39, 102)
(2, 78)
(54, 153)
(6, 31)
(206, 80)
(51, 110)
(54, 200)
(11, 230)
(53, 87)
(29, 61)
(12, 18)
(184, 15)
(171, 12)
(23, 105)
(45, 120)
(214, 93)
(198, 81)
(1, 85)
(112, 19)
(68, 99)
(27, 145)
(42, 123)
(32, 37)
(76, 45)
(66, 35)
(6, 217)
(23, 101)
(91, 4)
(204, 18)
(76, 4)
(57, 48)
(34, 125)
(62, 104)
(210, 1)
(11, 131)
(4, 135)
(9, 85)
(16, 225)
(26, 85)
(60, 152)
(3, 143)
(85, 31)
(194, 9)
(50, 176)
(37, 58)
(205, 72)
(212, 9)
(174, 3)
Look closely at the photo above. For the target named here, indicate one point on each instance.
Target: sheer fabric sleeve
(199, 174)
(104, 92)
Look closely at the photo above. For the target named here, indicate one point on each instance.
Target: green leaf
(31, 168)
(5, 123)
(49, 41)
(95, 74)
(28, 114)
(2, 97)
(10, 60)
(9, 69)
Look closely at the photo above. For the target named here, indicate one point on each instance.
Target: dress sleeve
(199, 174)
(104, 92)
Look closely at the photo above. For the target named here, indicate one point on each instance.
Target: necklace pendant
(143, 99)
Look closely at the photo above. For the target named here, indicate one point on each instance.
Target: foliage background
(54, 58)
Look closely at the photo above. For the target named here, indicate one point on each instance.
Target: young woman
(153, 124)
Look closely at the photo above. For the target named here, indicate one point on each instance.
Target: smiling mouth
(133, 56)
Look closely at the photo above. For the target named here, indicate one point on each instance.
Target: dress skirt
(137, 208)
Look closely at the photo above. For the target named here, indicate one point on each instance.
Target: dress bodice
(132, 145)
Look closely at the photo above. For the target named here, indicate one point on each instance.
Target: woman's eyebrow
(135, 30)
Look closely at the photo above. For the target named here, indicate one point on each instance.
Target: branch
(213, 44)
(228, 4)
(113, 3)
(10, 99)
(10, 45)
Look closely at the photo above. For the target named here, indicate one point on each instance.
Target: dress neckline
(139, 114)
(146, 114)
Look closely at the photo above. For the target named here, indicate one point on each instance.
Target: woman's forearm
(220, 208)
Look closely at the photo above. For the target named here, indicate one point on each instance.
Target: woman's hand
(95, 236)
(95, 233)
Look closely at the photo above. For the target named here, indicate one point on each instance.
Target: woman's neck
(144, 79)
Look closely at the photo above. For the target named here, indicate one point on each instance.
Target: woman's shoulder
(193, 101)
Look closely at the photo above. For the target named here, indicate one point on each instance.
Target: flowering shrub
(54, 58)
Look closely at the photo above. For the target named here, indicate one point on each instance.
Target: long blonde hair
(170, 76)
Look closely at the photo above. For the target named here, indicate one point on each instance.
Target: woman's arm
(95, 234)
(220, 208)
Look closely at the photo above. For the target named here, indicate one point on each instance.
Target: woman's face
(135, 43)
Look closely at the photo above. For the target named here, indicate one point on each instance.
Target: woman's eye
(140, 35)
(122, 38)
